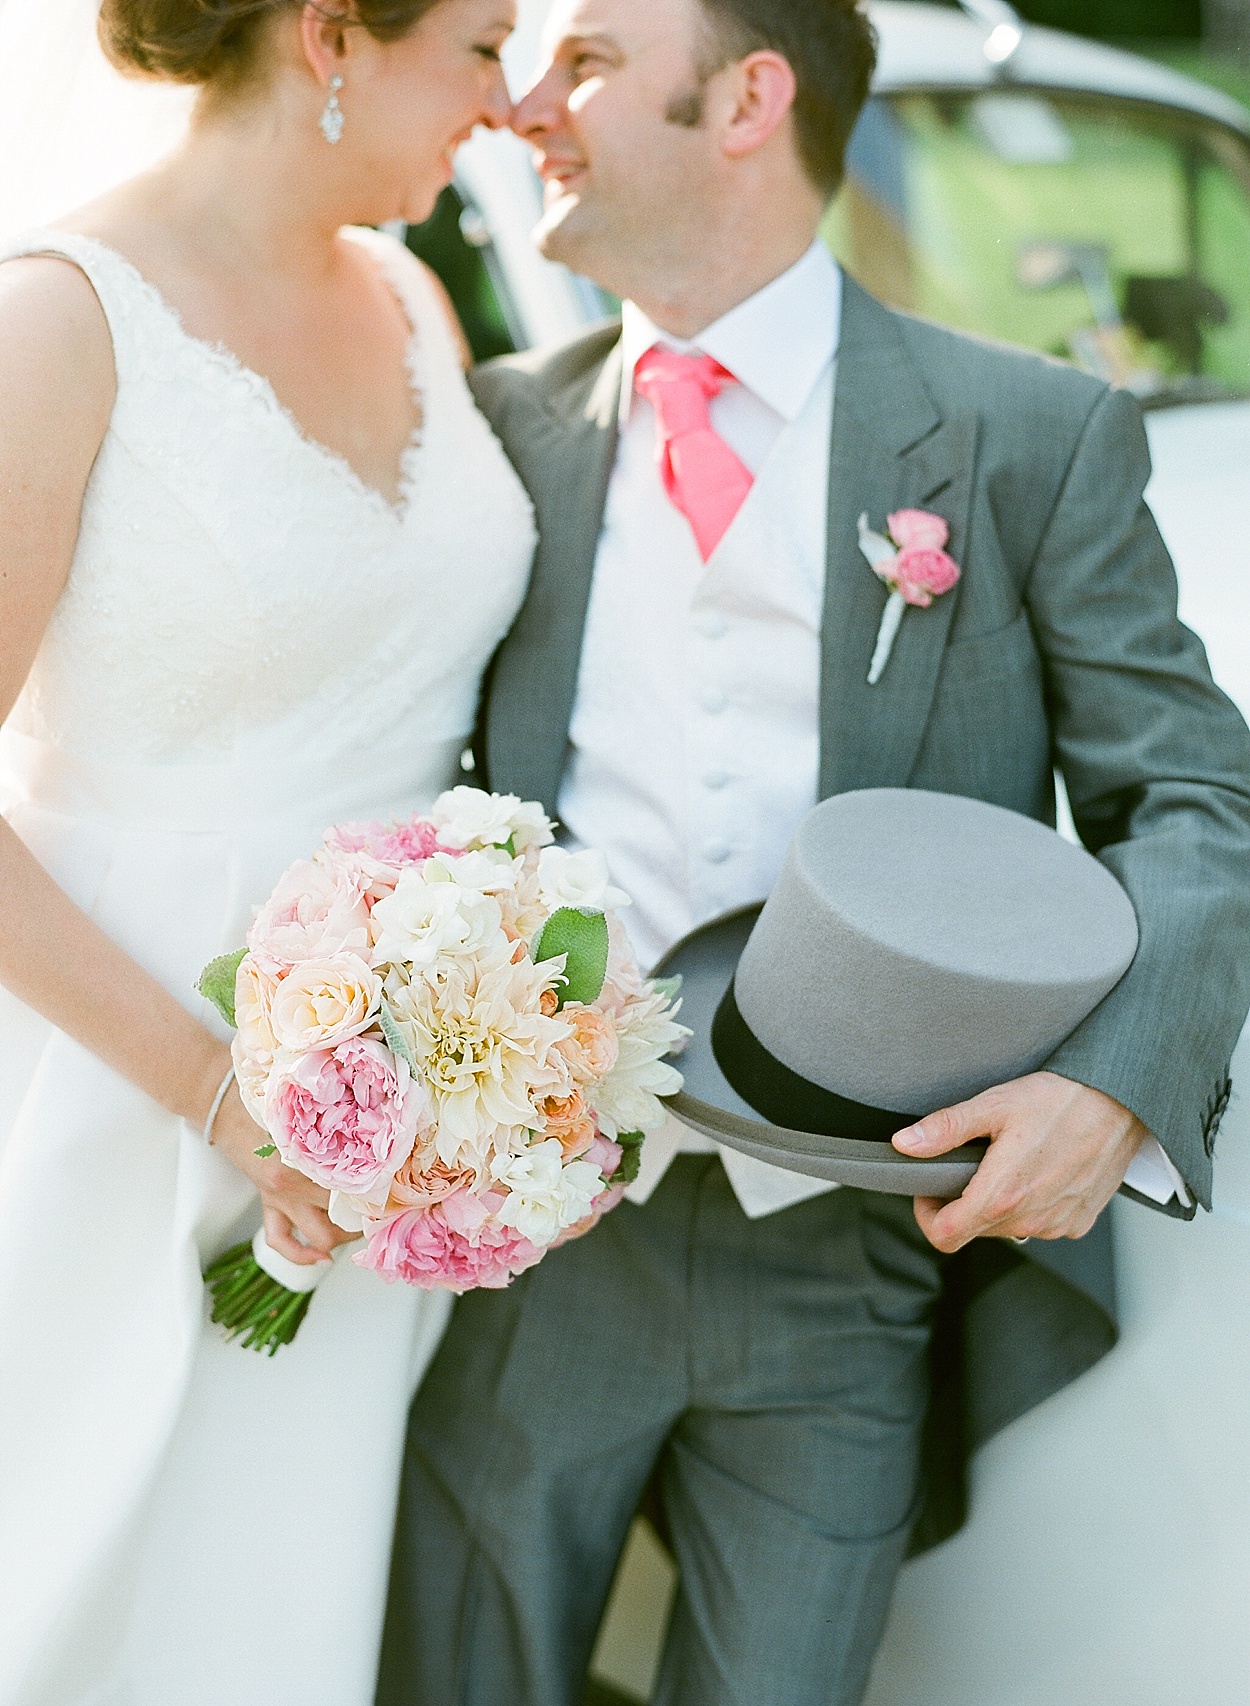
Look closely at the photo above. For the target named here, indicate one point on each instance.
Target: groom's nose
(542, 109)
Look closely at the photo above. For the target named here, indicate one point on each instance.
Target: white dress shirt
(695, 737)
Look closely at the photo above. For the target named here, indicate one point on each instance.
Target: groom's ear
(758, 99)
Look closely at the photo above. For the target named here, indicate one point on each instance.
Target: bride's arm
(57, 389)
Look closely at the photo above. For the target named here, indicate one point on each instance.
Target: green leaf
(395, 1040)
(583, 938)
(266, 1150)
(217, 983)
(631, 1143)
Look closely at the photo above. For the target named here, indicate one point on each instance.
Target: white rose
(424, 921)
(545, 1196)
(467, 817)
(323, 1002)
(578, 880)
(492, 872)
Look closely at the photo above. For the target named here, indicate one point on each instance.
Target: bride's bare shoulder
(55, 343)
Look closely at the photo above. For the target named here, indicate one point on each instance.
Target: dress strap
(436, 351)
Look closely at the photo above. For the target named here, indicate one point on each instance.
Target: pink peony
(458, 1245)
(347, 1117)
(314, 913)
(922, 574)
(917, 530)
(400, 845)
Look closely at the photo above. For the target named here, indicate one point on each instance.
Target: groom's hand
(1058, 1153)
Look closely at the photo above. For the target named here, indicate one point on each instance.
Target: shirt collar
(777, 343)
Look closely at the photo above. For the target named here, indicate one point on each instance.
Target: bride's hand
(293, 1204)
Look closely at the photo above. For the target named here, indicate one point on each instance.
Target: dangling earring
(332, 120)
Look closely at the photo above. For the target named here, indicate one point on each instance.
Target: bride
(256, 548)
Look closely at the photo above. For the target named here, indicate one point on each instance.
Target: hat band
(784, 1097)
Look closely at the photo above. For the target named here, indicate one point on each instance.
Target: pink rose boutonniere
(914, 565)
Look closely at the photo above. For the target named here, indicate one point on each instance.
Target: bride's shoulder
(54, 332)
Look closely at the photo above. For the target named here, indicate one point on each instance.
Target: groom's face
(614, 120)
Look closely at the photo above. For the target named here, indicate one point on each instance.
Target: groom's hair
(831, 47)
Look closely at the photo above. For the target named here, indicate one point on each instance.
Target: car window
(456, 244)
(1108, 232)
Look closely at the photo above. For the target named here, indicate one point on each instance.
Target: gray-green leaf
(396, 1041)
(217, 983)
(669, 986)
(583, 938)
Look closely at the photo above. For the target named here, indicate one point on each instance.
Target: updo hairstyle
(216, 41)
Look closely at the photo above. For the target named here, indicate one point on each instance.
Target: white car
(1019, 184)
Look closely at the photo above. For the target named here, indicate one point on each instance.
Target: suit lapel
(891, 450)
(566, 462)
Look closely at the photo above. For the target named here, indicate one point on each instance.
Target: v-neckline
(398, 508)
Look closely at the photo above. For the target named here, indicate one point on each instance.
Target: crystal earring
(332, 115)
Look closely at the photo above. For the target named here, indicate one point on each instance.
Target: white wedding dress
(252, 645)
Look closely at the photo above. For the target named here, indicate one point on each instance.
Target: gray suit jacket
(1061, 647)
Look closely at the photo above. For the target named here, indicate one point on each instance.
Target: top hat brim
(705, 961)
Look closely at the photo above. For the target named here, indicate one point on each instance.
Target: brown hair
(215, 41)
(832, 49)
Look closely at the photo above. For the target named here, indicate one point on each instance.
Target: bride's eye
(491, 53)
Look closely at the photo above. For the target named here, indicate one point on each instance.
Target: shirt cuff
(1152, 1174)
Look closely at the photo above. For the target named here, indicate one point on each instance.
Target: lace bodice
(238, 594)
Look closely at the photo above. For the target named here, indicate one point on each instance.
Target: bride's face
(409, 104)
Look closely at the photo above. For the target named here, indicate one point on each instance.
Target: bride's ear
(324, 34)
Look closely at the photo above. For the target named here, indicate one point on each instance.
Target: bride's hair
(215, 41)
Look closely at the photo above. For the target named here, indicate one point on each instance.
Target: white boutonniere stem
(891, 622)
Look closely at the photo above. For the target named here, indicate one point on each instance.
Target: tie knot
(680, 387)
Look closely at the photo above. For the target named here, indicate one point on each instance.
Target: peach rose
(592, 1050)
(567, 1119)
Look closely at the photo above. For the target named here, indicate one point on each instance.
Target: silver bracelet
(218, 1099)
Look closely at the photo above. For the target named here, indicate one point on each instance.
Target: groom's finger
(947, 1129)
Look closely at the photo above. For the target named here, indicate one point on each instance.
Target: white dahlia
(487, 1051)
(627, 1098)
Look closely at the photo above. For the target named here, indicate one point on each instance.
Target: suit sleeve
(1157, 765)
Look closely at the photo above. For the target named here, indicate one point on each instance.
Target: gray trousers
(776, 1370)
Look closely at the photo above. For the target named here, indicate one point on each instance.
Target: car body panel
(1200, 495)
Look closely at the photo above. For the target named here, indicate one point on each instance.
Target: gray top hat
(917, 949)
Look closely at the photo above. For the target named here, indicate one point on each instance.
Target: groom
(807, 1368)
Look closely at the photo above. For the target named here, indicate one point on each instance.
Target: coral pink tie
(701, 474)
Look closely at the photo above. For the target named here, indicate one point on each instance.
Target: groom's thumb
(938, 1133)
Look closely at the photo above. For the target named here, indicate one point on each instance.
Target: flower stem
(250, 1305)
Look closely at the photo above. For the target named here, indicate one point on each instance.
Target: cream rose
(321, 1003)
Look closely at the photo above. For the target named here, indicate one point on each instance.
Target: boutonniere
(915, 567)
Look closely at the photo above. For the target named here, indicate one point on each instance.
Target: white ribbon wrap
(288, 1274)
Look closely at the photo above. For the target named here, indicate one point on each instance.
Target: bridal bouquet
(442, 1023)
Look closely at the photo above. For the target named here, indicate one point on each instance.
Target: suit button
(714, 701)
(711, 624)
(716, 852)
(717, 779)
